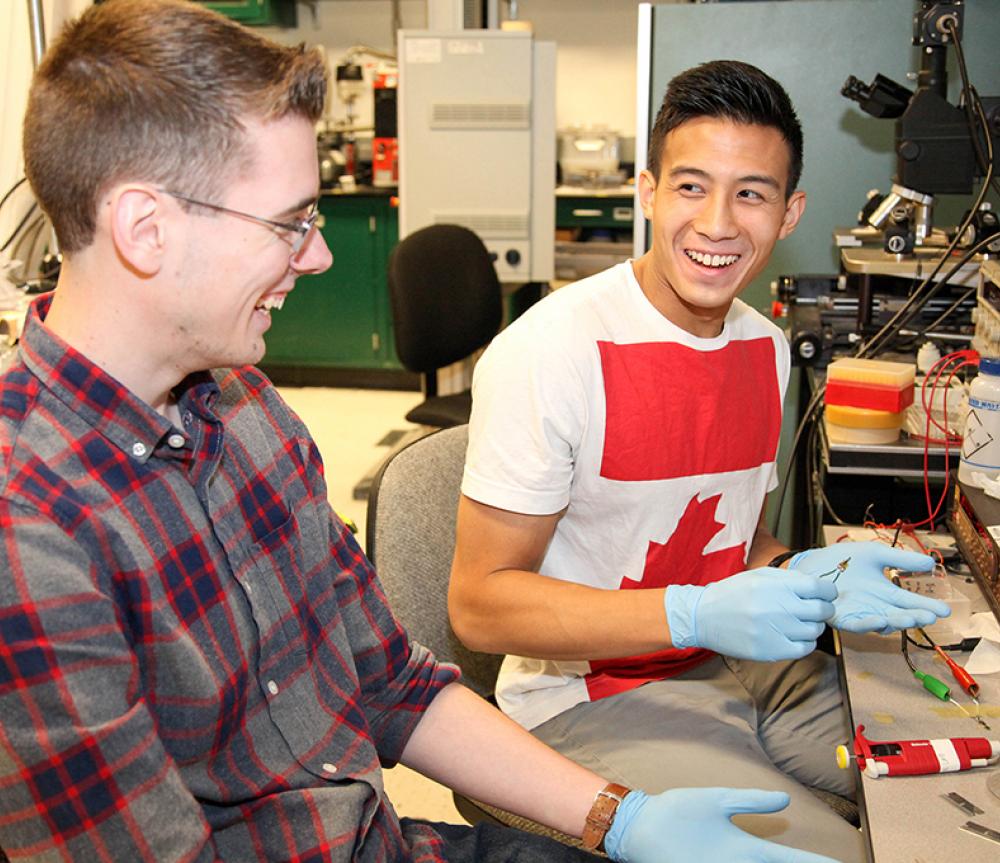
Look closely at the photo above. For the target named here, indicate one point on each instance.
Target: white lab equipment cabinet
(477, 142)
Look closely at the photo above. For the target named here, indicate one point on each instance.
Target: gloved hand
(866, 600)
(766, 614)
(686, 824)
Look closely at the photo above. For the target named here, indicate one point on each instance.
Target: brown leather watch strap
(601, 814)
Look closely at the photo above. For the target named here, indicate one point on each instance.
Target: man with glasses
(196, 660)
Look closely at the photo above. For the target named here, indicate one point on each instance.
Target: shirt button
(176, 441)
(329, 768)
(138, 449)
(272, 687)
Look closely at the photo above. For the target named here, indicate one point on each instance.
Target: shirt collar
(111, 408)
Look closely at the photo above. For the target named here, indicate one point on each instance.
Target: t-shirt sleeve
(528, 414)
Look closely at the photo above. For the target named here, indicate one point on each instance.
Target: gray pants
(730, 723)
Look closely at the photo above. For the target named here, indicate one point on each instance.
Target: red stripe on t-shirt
(673, 411)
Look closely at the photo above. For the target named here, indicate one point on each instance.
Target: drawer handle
(584, 213)
(622, 214)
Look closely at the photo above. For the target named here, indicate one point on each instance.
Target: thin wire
(906, 654)
(812, 407)
(21, 224)
(11, 191)
(940, 318)
(967, 256)
(971, 100)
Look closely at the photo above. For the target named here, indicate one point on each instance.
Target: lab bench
(910, 818)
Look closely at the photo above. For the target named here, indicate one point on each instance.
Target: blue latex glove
(766, 614)
(686, 824)
(866, 600)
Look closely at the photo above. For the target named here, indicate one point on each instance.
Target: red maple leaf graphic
(682, 559)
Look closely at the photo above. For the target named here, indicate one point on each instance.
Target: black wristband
(779, 559)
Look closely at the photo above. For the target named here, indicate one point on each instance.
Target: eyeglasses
(300, 228)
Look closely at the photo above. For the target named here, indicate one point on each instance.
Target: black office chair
(446, 304)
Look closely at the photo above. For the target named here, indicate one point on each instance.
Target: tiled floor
(347, 425)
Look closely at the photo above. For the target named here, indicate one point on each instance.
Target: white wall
(15, 77)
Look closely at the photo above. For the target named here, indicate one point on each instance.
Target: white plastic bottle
(981, 435)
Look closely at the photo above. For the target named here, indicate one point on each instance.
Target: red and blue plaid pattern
(196, 659)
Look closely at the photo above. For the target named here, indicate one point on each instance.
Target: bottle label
(981, 439)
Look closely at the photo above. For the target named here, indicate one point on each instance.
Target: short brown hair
(153, 90)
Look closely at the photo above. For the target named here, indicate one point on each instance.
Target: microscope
(935, 152)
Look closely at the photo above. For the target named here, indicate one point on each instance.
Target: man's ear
(794, 208)
(138, 225)
(647, 190)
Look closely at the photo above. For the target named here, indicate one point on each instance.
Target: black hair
(731, 90)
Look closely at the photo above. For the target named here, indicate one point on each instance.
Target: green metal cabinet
(282, 13)
(341, 319)
(594, 211)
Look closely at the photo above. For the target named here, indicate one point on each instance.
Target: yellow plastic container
(864, 418)
(872, 372)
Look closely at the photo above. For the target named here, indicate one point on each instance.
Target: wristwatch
(601, 814)
(779, 559)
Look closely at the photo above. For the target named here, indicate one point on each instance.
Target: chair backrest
(445, 296)
(410, 538)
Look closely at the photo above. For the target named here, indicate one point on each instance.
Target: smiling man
(622, 443)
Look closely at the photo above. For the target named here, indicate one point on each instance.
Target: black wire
(31, 231)
(904, 637)
(969, 254)
(937, 321)
(971, 100)
(814, 403)
(11, 190)
(807, 505)
(21, 224)
(43, 222)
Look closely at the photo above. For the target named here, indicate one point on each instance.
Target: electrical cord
(11, 190)
(922, 333)
(971, 99)
(966, 645)
(20, 226)
(815, 403)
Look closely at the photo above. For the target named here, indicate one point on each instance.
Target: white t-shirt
(660, 445)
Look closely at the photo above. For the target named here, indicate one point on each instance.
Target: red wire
(963, 358)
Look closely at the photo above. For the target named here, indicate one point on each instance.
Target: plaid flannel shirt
(196, 659)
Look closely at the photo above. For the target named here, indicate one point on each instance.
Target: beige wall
(15, 76)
